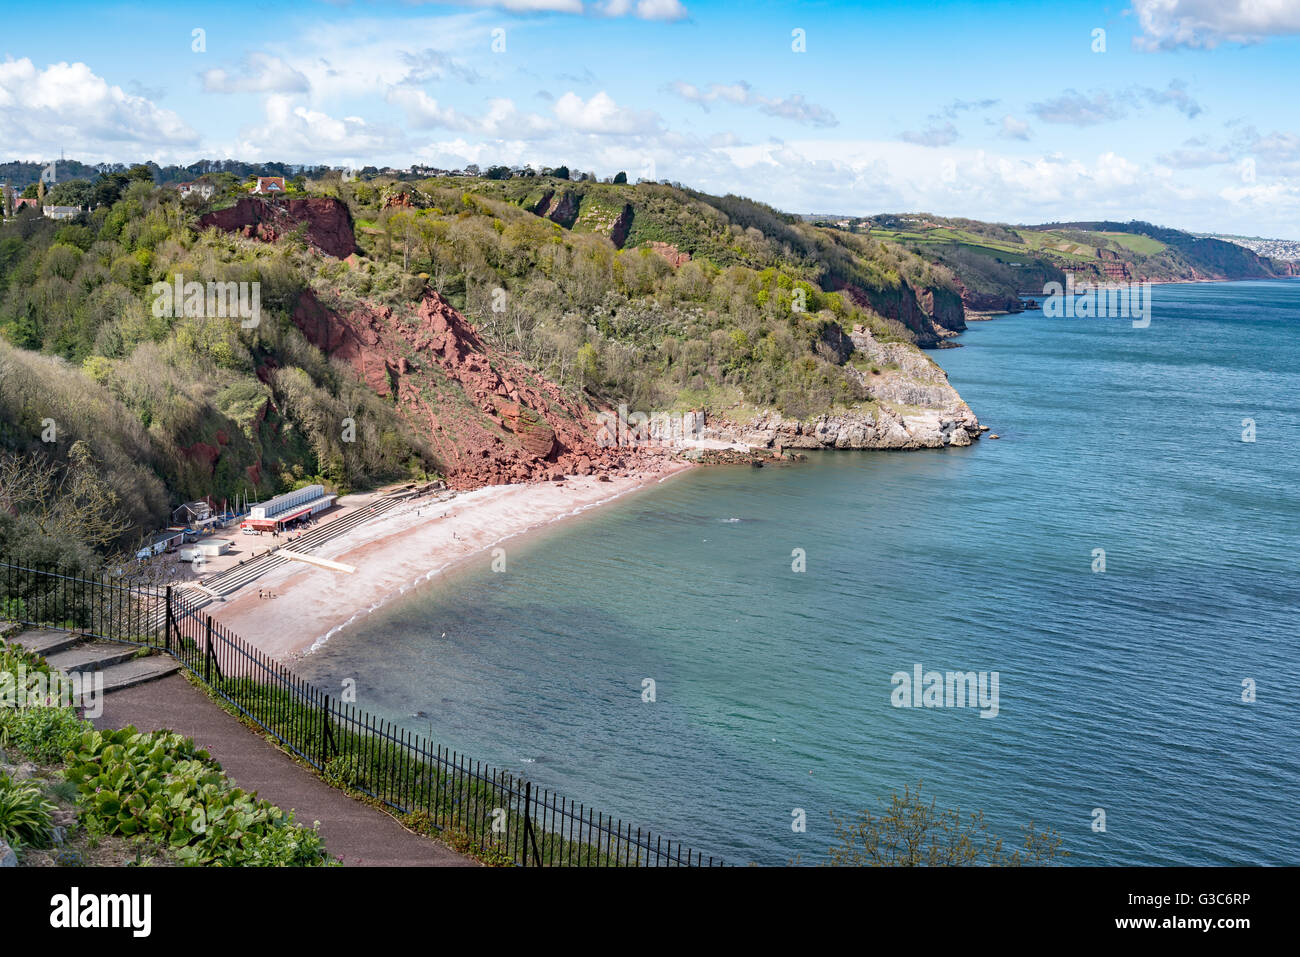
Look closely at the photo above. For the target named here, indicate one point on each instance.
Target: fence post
(324, 733)
(167, 623)
(529, 833)
(207, 653)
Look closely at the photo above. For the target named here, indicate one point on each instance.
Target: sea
(721, 658)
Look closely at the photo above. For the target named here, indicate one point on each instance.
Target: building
(192, 513)
(204, 550)
(22, 201)
(274, 514)
(61, 212)
(165, 541)
(268, 185)
(204, 191)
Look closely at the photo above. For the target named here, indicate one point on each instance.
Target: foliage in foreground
(24, 814)
(162, 787)
(911, 833)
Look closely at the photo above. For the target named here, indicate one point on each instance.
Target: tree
(620, 177)
(561, 172)
(912, 833)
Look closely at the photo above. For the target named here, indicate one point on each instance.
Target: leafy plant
(24, 814)
(161, 787)
(44, 734)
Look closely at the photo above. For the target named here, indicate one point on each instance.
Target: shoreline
(405, 548)
(982, 316)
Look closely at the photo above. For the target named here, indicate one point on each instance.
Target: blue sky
(1002, 111)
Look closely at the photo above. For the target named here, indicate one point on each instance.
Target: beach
(405, 547)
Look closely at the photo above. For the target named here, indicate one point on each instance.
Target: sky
(1179, 112)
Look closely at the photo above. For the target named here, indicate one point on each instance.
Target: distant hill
(997, 265)
(1283, 250)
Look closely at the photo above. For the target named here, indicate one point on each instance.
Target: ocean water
(1119, 690)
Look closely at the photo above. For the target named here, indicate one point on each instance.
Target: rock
(328, 221)
(7, 856)
(994, 435)
(24, 771)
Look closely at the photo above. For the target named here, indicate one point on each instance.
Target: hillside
(998, 265)
(472, 329)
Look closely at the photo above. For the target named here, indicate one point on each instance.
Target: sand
(408, 546)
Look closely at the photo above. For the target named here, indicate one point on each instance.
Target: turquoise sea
(1119, 690)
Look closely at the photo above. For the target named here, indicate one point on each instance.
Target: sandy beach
(408, 546)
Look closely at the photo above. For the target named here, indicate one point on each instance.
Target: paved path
(358, 833)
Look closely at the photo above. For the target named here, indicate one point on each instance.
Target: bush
(43, 734)
(24, 814)
(161, 787)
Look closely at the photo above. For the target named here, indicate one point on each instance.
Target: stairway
(121, 665)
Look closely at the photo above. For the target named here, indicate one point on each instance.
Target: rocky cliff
(490, 419)
(326, 222)
(912, 406)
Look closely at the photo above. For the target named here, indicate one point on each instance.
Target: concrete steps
(120, 666)
(44, 643)
(90, 656)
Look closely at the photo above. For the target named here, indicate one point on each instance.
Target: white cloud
(297, 133)
(601, 114)
(1169, 24)
(644, 9)
(502, 119)
(1013, 129)
(256, 73)
(740, 93)
(67, 107)
(935, 135)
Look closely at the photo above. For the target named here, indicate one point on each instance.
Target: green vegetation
(161, 409)
(24, 814)
(594, 301)
(157, 790)
(911, 833)
(162, 788)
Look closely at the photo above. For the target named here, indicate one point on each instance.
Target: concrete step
(91, 656)
(128, 674)
(45, 642)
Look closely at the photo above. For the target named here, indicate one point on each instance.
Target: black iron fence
(501, 816)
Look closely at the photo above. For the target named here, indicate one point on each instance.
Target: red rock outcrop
(670, 252)
(489, 419)
(328, 221)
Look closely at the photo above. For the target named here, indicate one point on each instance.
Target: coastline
(411, 545)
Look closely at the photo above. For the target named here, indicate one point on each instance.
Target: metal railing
(501, 816)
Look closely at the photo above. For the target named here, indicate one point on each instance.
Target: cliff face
(933, 314)
(489, 418)
(328, 222)
(913, 407)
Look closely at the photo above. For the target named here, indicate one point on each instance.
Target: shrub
(24, 814)
(161, 787)
(43, 734)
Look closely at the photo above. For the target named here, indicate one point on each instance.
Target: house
(22, 201)
(61, 212)
(268, 185)
(202, 190)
